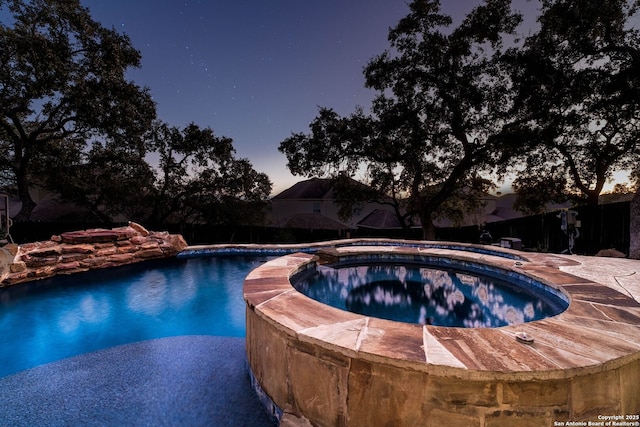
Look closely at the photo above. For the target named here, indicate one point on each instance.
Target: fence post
(634, 226)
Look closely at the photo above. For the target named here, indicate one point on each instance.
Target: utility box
(511, 243)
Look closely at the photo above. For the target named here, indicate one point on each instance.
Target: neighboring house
(383, 219)
(311, 204)
(50, 208)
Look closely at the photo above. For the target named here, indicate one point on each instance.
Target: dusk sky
(257, 70)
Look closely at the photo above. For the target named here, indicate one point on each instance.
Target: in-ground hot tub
(429, 289)
(335, 367)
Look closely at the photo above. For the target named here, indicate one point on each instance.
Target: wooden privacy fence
(604, 226)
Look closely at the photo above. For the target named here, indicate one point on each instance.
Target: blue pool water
(432, 295)
(53, 319)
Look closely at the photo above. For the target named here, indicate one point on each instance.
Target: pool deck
(186, 380)
(620, 274)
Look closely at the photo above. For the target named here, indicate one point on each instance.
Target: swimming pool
(199, 293)
(65, 316)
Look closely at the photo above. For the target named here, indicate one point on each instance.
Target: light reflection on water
(426, 295)
(65, 316)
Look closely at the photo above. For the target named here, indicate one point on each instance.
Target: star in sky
(256, 70)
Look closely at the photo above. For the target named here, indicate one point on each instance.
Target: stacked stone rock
(79, 251)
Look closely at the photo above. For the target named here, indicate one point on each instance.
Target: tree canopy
(62, 84)
(439, 123)
(71, 122)
(107, 181)
(202, 181)
(578, 82)
(455, 107)
(458, 107)
(198, 179)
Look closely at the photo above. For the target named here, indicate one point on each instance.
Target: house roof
(615, 198)
(314, 188)
(380, 219)
(50, 209)
(314, 221)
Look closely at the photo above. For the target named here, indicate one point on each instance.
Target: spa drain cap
(524, 338)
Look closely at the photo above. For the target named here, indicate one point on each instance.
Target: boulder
(150, 253)
(39, 261)
(611, 253)
(88, 249)
(89, 236)
(139, 229)
(46, 252)
(77, 249)
(68, 267)
(18, 267)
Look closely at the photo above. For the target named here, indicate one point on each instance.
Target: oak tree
(201, 180)
(578, 83)
(63, 85)
(439, 123)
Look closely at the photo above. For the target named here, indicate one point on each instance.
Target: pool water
(427, 295)
(53, 319)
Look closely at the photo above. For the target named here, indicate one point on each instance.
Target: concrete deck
(620, 274)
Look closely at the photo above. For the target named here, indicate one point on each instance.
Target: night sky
(256, 71)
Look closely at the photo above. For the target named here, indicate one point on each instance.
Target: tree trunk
(25, 197)
(593, 197)
(428, 229)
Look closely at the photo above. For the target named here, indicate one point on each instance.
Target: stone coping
(599, 331)
(284, 249)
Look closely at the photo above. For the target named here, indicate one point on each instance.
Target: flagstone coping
(595, 340)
